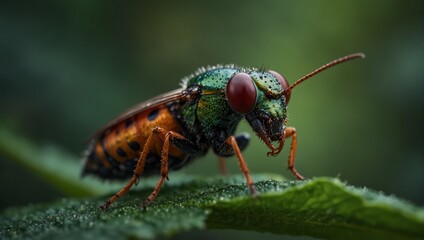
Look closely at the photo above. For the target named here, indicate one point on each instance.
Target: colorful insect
(171, 130)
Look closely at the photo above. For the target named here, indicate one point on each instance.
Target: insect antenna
(328, 65)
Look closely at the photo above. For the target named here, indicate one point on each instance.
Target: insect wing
(165, 98)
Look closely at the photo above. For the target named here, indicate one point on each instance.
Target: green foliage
(321, 207)
(55, 166)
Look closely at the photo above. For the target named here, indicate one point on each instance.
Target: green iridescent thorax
(212, 110)
(213, 80)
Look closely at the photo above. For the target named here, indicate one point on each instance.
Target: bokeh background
(68, 67)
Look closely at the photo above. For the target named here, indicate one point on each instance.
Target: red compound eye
(283, 83)
(241, 93)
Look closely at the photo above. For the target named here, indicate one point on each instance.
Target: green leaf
(321, 207)
(324, 208)
(55, 166)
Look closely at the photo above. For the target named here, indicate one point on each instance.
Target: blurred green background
(68, 67)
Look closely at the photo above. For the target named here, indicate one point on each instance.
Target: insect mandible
(171, 130)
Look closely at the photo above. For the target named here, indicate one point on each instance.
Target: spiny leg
(243, 166)
(137, 173)
(226, 150)
(291, 132)
(164, 163)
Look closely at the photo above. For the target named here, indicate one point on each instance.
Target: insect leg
(175, 139)
(291, 132)
(224, 150)
(137, 173)
(222, 166)
(243, 166)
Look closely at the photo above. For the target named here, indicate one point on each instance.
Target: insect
(171, 130)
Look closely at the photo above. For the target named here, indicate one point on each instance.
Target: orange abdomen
(116, 150)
